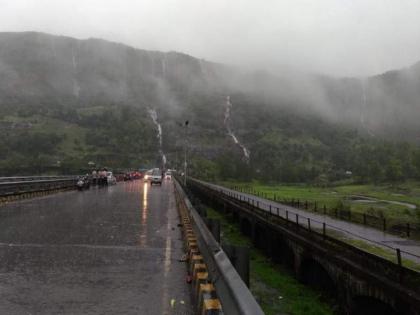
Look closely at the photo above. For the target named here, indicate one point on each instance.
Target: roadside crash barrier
(204, 293)
(216, 286)
(19, 190)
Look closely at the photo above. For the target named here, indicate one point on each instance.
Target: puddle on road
(168, 308)
(144, 215)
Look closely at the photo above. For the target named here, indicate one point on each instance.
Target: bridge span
(101, 251)
(119, 250)
(362, 283)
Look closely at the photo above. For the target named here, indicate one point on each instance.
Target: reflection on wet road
(104, 251)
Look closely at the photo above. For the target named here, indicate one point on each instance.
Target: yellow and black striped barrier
(216, 285)
(204, 294)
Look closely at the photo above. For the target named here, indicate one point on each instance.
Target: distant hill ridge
(92, 100)
(37, 66)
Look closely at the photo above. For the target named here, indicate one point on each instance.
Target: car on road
(111, 179)
(147, 175)
(136, 175)
(156, 177)
(168, 175)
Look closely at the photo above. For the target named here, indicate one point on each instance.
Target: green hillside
(67, 102)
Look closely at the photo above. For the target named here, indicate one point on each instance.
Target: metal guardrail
(400, 227)
(310, 223)
(33, 178)
(391, 270)
(234, 295)
(23, 185)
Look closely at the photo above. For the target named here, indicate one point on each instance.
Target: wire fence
(395, 226)
(394, 254)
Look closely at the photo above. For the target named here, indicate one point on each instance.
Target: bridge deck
(105, 251)
(342, 227)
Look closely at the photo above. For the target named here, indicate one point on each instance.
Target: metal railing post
(399, 257)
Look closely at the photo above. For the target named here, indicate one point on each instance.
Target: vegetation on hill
(65, 103)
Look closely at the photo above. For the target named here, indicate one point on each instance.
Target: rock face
(36, 66)
(102, 92)
(384, 105)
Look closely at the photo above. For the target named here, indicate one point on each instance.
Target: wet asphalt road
(104, 251)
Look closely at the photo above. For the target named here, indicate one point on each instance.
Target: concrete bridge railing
(235, 297)
(361, 282)
(17, 187)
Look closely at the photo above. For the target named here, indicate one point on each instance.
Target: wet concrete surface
(113, 250)
(410, 248)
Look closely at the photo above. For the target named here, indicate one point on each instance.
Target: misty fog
(342, 38)
(326, 63)
(297, 121)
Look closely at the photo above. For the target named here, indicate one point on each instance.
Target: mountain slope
(383, 105)
(91, 100)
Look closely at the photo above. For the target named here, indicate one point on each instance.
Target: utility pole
(185, 152)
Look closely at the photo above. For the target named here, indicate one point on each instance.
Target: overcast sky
(339, 37)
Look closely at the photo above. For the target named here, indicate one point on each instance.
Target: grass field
(275, 289)
(332, 197)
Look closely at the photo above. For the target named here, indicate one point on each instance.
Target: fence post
(323, 229)
(398, 256)
(278, 211)
(297, 219)
(270, 209)
(287, 215)
(309, 224)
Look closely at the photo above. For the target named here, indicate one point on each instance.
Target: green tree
(394, 170)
